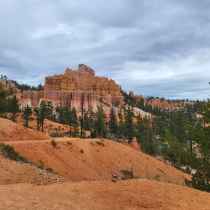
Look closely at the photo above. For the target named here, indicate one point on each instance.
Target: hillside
(15, 172)
(85, 159)
(10, 131)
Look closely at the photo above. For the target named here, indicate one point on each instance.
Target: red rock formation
(136, 97)
(159, 103)
(76, 84)
(134, 144)
(84, 79)
(125, 142)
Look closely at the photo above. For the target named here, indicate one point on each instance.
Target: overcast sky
(152, 47)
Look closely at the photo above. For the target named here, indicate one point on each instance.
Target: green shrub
(54, 143)
(55, 135)
(40, 166)
(50, 170)
(127, 174)
(81, 150)
(9, 152)
(199, 182)
(93, 134)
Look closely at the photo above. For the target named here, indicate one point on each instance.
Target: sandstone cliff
(72, 87)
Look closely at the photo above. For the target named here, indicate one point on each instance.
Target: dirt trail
(95, 195)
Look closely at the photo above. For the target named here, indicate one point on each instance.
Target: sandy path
(130, 194)
(39, 141)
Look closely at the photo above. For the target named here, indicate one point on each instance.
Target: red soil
(10, 131)
(86, 160)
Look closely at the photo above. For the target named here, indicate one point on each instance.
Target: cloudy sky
(152, 47)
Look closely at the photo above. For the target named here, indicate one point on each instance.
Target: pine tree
(74, 116)
(41, 114)
(27, 113)
(171, 152)
(112, 122)
(120, 125)
(91, 116)
(129, 125)
(86, 122)
(180, 131)
(14, 108)
(3, 101)
(37, 115)
(68, 118)
(100, 121)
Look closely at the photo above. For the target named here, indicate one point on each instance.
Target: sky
(157, 48)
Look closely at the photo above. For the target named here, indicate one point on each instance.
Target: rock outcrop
(74, 86)
(7, 83)
(136, 97)
(164, 104)
(134, 144)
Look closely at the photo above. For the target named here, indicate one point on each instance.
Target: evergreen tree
(86, 122)
(180, 131)
(75, 133)
(41, 114)
(3, 101)
(14, 108)
(74, 116)
(171, 152)
(27, 113)
(120, 125)
(112, 122)
(129, 125)
(100, 121)
(68, 118)
(91, 116)
(37, 115)
(139, 130)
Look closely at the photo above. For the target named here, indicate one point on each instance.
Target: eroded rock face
(136, 97)
(74, 85)
(84, 79)
(134, 144)
(159, 103)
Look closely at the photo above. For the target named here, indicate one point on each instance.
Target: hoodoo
(73, 87)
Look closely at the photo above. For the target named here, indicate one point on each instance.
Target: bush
(9, 152)
(93, 134)
(50, 170)
(127, 174)
(54, 143)
(81, 150)
(110, 136)
(55, 135)
(198, 182)
(40, 166)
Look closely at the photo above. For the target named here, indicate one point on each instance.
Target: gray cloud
(156, 48)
